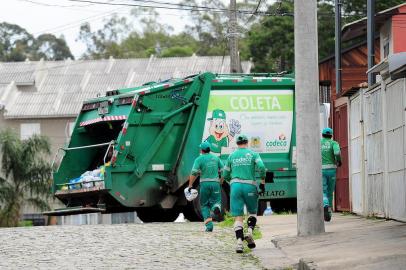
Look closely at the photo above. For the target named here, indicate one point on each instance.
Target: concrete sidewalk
(350, 242)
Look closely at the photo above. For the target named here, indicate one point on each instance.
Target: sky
(42, 16)
(64, 17)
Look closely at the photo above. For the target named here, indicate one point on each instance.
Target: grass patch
(228, 221)
(25, 223)
(283, 213)
(373, 217)
(346, 213)
(257, 233)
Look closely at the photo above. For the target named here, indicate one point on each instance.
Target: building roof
(359, 27)
(58, 88)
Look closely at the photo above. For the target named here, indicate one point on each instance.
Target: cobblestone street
(125, 246)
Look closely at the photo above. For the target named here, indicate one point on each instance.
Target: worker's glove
(261, 189)
(339, 163)
(234, 127)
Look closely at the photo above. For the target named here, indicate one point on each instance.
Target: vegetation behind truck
(146, 139)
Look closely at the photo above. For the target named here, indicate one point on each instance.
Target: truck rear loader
(133, 148)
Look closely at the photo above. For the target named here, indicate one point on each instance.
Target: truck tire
(157, 214)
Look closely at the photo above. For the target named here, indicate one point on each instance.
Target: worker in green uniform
(240, 170)
(208, 166)
(331, 158)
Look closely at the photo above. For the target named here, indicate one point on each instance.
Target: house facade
(369, 119)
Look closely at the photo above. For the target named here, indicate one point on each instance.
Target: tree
(271, 39)
(210, 29)
(27, 175)
(119, 39)
(206, 35)
(50, 47)
(105, 42)
(356, 9)
(16, 44)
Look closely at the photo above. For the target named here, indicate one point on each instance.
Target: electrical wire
(76, 23)
(254, 12)
(53, 5)
(173, 7)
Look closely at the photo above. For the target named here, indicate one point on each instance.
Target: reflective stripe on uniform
(328, 166)
(209, 180)
(238, 180)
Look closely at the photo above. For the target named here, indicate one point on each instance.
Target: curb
(307, 265)
(279, 259)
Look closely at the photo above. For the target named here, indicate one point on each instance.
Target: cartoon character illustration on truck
(221, 133)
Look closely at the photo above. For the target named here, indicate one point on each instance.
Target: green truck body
(148, 137)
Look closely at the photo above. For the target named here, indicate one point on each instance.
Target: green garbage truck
(133, 148)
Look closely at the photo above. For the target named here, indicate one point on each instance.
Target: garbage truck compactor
(133, 149)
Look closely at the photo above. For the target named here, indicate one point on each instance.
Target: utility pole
(371, 39)
(233, 38)
(309, 185)
(338, 45)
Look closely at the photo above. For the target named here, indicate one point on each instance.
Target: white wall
(356, 156)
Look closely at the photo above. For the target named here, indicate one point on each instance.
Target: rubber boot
(209, 226)
(250, 239)
(240, 246)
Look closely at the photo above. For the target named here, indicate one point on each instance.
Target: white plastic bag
(190, 195)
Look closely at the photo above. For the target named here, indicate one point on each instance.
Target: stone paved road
(125, 246)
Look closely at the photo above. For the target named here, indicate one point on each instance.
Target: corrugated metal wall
(374, 153)
(377, 134)
(356, 155)
(395, 122)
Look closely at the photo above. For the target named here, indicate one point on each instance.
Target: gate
(342, 201)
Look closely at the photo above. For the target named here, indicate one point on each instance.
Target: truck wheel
(157, 215)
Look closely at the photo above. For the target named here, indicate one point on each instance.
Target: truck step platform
(73, 211)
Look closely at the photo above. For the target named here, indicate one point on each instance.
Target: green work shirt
(215, 146)
(208, 166)
(242, 164)
(330, 152)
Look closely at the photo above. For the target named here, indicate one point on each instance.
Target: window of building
(324, 91)
(27, 130)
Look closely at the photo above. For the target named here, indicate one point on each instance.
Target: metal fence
(378, 149)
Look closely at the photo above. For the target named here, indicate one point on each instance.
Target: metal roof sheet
(58, 88)
(19, 72)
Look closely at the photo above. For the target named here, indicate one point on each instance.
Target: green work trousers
(243, 194)
(210, 198)
(329, 185)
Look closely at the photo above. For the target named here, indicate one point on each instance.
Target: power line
(53, 5)
(171, 6)
(75, 23)
(61, 28)
(255, 11)
(180, 5)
